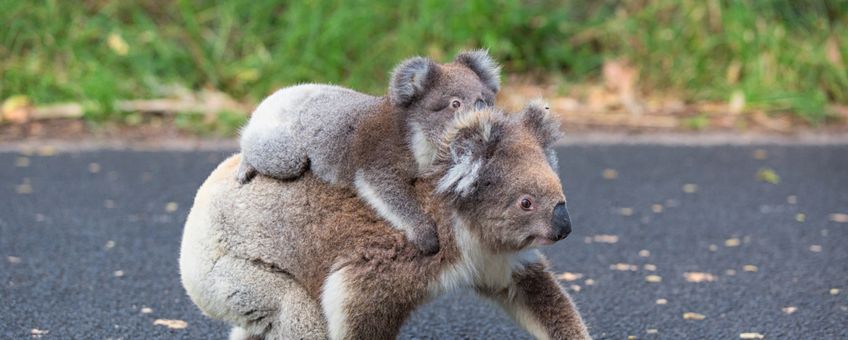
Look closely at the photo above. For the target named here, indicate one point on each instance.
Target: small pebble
(789, 310)
(171, 207)
(609, 174)
(816, 248)
(657, 208)
(119, 273)
(13, 259)
(644, 253)
(690, 188)
(792, 199)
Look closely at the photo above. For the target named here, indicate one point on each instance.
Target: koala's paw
(245, 173)
(426, 239)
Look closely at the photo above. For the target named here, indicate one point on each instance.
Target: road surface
(89, 244)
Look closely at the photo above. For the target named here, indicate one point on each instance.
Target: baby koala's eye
(455, 104)
(526, 203)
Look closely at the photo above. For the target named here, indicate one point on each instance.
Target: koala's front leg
(391, 195)
(540, 305)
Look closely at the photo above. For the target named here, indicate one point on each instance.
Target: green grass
(784, 55)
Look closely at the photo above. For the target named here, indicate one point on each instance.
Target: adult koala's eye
(455, 104)
(526, 203)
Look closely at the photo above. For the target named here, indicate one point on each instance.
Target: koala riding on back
(379, 145)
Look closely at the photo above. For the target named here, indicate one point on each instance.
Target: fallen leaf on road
(690, 188)
(570, 276)
(760, 154)
(650, 267)
(38, 333)
(713, 247)
(657, 208)
(609, 174)
(730, 272)
(750, 268)
(834, 291)
(644, 253)
(792, 199)
(93, 168)
(24, 188)
(768, 175)
(662, 301)
(146, 310)
(13, 259)
(589, 282)
(731, 242)
(652, 331)
(624, 267)
(110, 244)
(631, 337)
(171, 207)
(816, 248)
(751, 336)
(172, 324)
(839, 218)
(789, 310)
(653, 278)
(800, 217)
(118, 273)
(699, 277)
(22, 162)
(693, 316)
(575, 288)
(626, 211)
(605, 238)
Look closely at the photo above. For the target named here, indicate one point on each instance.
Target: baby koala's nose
(561, 221)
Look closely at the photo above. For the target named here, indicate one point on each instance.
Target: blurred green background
(784, 55)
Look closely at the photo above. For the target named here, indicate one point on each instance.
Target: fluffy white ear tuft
(465, 146)
(410, 79)
(483, 65)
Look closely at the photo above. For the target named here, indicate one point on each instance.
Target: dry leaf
(172, 324)
(653, 278)
(839, 218)
(575, 288)
(650, 267)
(171, 207)
(118, 273)
(713, 247)
(731, 242)
(570, 276)
(699, 277)
(789, 310)
(693, 316)
(800, 217)
(652, 331)
(834, 291)
(605, 238)
(730, 272)
(24, 188)
(657, 208)
(38, 333)
(816, 248)
(690, 188)
(768, 175)
(631, 337)
(589, 282)
(751, 335)
(93, 168)
(22, 162)
(13, 259)
(117, 44)
(609, 174)
(662, 301)
(146, 310)
(644, 253)
(624, 267)
(750, 268)
(792, 199)
(625, 211)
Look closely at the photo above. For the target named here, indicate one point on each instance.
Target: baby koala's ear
(469, 141)
(410, 79)
(537, 117)
(484, 66)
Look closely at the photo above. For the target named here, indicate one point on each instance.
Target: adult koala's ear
(410, 79)
(466, 146)
(484, 66)
(537, 118)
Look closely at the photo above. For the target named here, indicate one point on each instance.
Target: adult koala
(277, 258)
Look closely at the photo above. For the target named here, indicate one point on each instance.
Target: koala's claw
(427, 241)
(245, 173)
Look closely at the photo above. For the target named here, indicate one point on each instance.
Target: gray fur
(486, 68)
(379, 145)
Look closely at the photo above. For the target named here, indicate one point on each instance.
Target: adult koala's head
(430, 94)
(499, 172)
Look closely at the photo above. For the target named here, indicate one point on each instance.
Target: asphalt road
(89, 244)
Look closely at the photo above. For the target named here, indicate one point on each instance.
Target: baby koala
(378, 145)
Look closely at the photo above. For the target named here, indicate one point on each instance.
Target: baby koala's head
(430, 94)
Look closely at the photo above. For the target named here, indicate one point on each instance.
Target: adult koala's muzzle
(561, 222)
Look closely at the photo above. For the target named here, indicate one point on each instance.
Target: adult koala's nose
(561, 221)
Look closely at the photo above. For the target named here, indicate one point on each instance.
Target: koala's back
(318, 119)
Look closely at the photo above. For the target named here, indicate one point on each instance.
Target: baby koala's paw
(245, 172)
(426, 239)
